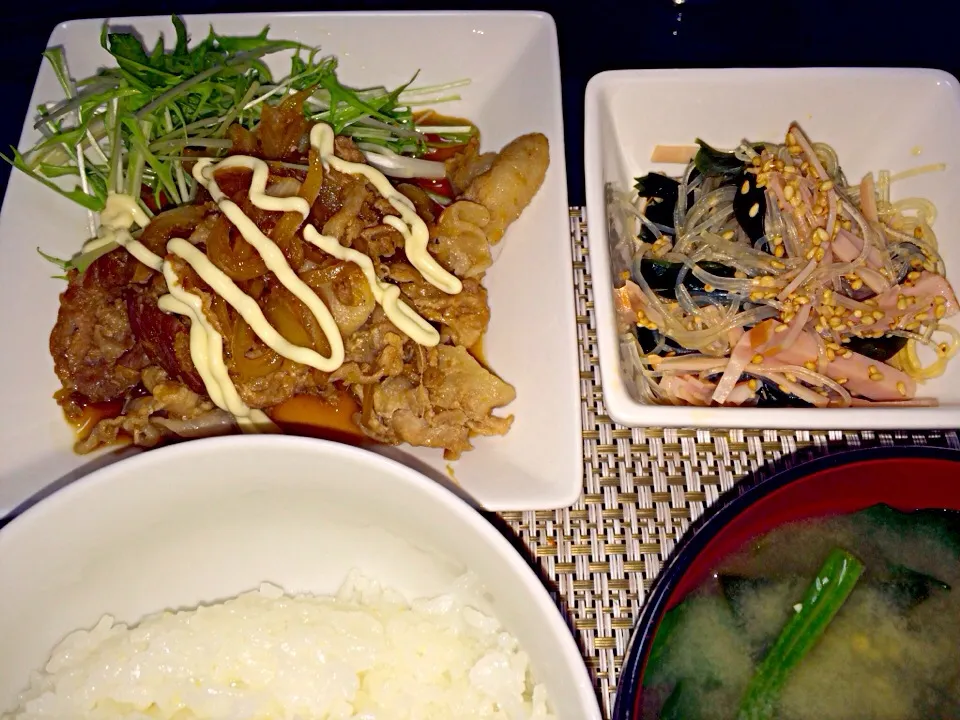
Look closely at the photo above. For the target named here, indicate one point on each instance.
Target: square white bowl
(874, 118)
(512, 61)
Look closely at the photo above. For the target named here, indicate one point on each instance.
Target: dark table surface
(594, 36)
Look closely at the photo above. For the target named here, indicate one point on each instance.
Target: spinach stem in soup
(821, 602)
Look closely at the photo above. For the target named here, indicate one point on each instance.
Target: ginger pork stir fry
(274, 254)
(126, 340)
(763, 277)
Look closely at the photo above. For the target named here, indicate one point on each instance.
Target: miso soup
(849, 617)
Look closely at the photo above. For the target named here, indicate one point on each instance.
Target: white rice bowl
(250, 530)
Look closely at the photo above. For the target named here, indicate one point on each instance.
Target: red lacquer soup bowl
(906, 478)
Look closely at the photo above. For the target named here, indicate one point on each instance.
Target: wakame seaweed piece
(662, 644)
(906, 588)
(661, 193)
(769, 394)
(940, 525)
(750, 207)
(662, 276)
(824, 597)
(881, 348)
(681, 704)
(710, 161)
(656, 185)
(735, 588)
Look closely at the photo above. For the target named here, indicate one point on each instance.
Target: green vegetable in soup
(940, 525)
(681, 704)
(661, 643)
(906, 588)
(823, 599)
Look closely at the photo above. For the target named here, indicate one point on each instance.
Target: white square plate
(513, 63)
(874, 118)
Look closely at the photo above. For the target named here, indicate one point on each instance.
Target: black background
(593, 36)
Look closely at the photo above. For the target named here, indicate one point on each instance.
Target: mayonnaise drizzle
(388, 296)
(121, 212)
(250, 311)
(206, 350)
(272, 256)
(409, 224)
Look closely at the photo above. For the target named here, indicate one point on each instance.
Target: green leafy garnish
(129, 128)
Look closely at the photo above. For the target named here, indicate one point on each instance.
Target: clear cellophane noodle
(707, 231)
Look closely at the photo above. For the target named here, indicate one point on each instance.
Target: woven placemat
(642, 489)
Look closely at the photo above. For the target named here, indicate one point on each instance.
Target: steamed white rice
(366, 654)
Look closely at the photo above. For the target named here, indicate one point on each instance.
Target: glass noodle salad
(762, 276)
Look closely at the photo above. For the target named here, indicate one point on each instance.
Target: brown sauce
(317, 417)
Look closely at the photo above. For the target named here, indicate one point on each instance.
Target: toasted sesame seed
(757, 359)
(778, 251)
(939, 300)
(809, 255)
(835, 322)
(810, 365)
(916, 263)
(789, 170)
(842, 381)
(794, 149)
(922, 316)
(831, 354)
(728, 235)
(858, 313)
(756, 296)
(739, 274)
(802, 299)
(901, 388)
(867, 320)
(856, 284)
(745, 188)
(876, 377)
(754, 209)
(790, 376)
(826, 185)
(877, 315)
(913, 275)
(791, 140)
(781, 328)
(767, 281)
(902, 303)
(940, 311)
(777, 265)
(788, 192)
(847, 354)
(752, 384)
